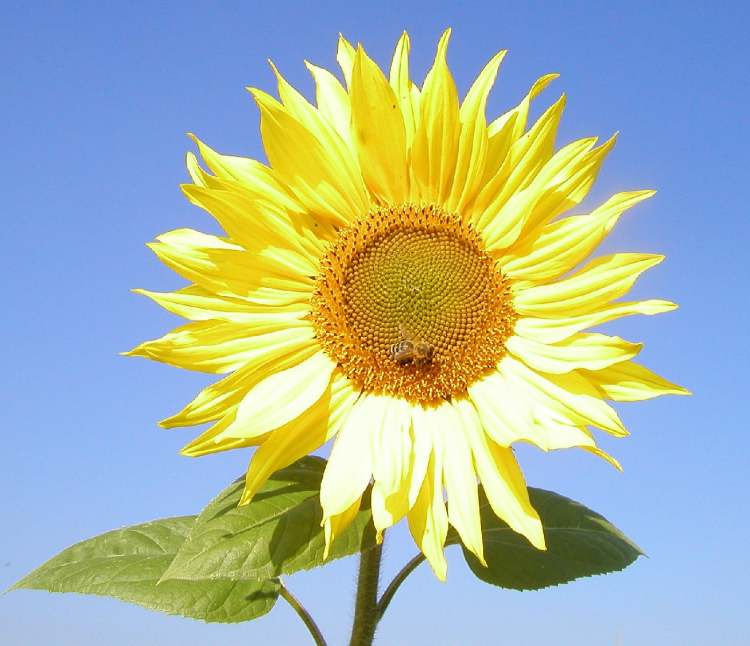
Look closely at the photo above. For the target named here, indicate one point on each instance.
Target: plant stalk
(390, 591)
(366, 607)
(304, 615)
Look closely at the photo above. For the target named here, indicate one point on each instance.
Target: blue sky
(96, 101)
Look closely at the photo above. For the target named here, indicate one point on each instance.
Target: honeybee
(410, 350)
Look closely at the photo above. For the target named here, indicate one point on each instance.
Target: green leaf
(277, 533)
(580, 543)
(127, 563)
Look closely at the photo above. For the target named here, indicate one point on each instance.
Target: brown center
(410, 305)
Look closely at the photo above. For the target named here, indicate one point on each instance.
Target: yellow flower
(397, 278)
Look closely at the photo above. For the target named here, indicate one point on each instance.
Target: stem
(303, 615)
(390, 591)
(366, 608)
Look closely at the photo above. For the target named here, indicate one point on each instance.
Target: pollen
(409, 304)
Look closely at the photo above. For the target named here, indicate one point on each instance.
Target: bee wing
(405, 334)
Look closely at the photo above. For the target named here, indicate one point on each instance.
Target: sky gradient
(95, 105)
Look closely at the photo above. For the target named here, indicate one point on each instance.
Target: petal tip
(188, 451)
(277, 74)
(137, 351)
(439, 567)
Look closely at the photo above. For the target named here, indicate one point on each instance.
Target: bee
(410, 350)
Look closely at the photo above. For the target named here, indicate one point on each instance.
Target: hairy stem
(303, 615)
(366, 608)
(390, 591)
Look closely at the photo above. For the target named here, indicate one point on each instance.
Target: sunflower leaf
(277, 533)
(580, 543)
(127, 564)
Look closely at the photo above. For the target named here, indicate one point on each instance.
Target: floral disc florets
(409, 304)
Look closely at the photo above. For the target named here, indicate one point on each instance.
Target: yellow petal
(460, 479)
(508, 128)
(552, 330)
(254, 176)
(472, 144)
(333, 102)
(421, 444)
(567, 397)
(510, 413)
(594, 286)
(524, 160)
(226, 268)
(506, 414)
(391, 444)
(433, 154)
(589, 351)
(502, 479)
(391, 449)
(257, 223)
(302, 161)
(379, 132)
(220, 347)
(402, 86)
(218, 398)
(510, 211)
(516, 119)
(345, 57)
(282, 397)
(349, 467)
(334, 525)
(198, 304)
(563, 244)
(428, 520)
(560, 189)
(205, 443)
(301, 436)
(339, 152)
(416, 98)
(551, 433)
(628, 381)
(604, 456)
(498, 147)
(215, 400)
(194, 169)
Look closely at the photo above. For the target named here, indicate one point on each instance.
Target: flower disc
(409, 304)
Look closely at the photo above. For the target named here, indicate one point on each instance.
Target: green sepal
(580, 543)
(278, 532)
(127, 564)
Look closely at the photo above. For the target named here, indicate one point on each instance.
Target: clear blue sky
(95, 105)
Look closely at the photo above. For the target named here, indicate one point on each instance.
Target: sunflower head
(403, 278)
(409, 304)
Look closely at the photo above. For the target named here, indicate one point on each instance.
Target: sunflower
(397, 279)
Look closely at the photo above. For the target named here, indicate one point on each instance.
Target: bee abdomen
(402, 352)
